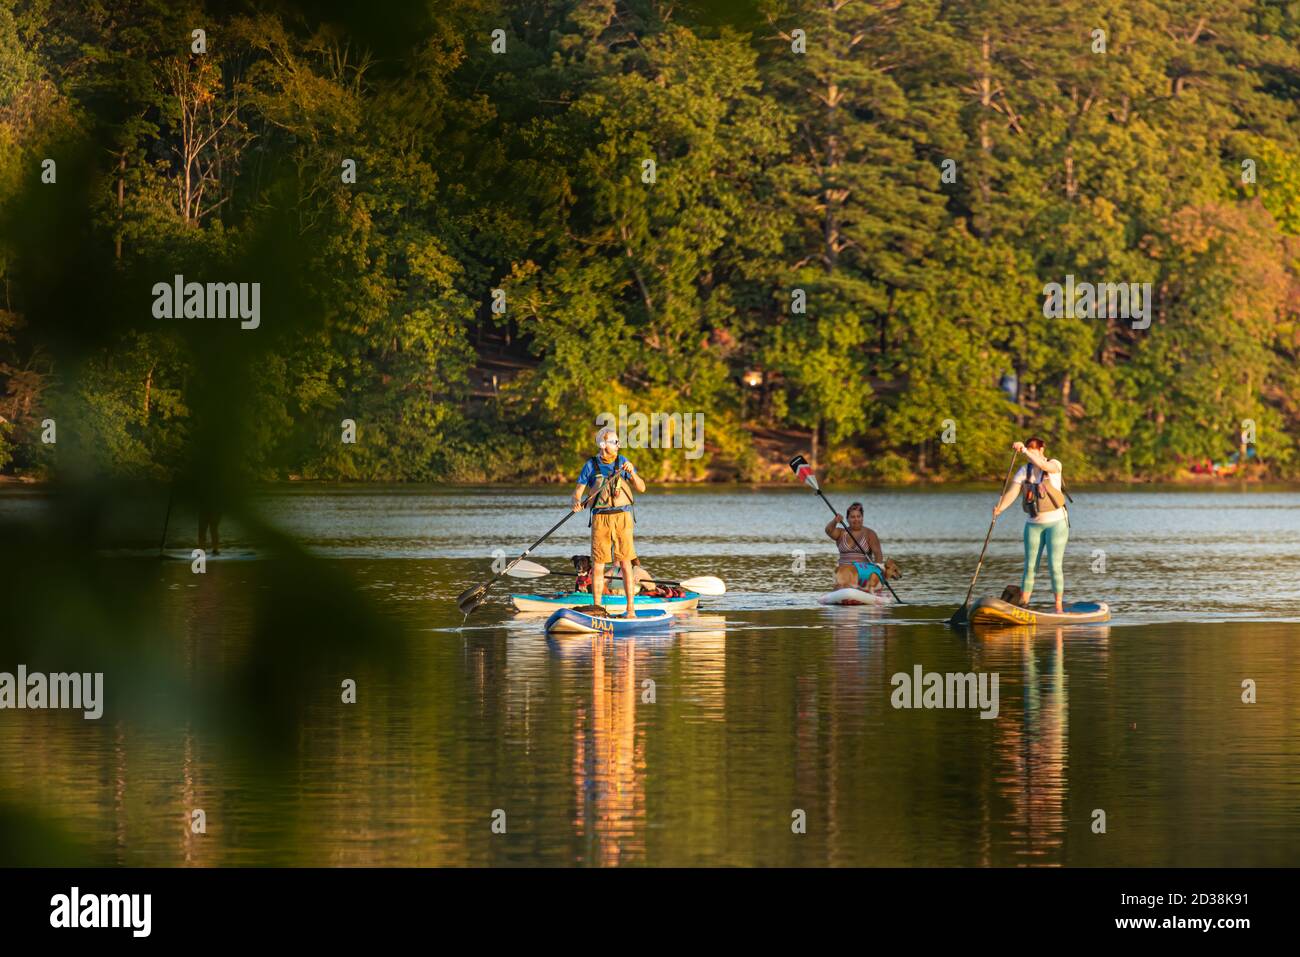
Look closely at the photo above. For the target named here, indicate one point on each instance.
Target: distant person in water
(210, 522)
(1047, 525)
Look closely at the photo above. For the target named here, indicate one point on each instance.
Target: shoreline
(1184, 484)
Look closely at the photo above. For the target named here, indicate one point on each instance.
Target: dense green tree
(562, 208)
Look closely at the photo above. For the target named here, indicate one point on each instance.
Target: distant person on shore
(209, 523)
(858, 568)
(1047, 527)
(611, 512)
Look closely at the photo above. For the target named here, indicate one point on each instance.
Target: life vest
(866, 570)
(602, 503)
(1042, 496)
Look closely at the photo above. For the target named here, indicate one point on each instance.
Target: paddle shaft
(653, 581)
(861, 547)
(970, 591)
(162, 542)
(477, 593)
(612, 578)
(529, 550)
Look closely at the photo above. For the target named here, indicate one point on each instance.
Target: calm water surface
(698, 747)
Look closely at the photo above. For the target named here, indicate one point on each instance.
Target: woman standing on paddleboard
(1038, 486)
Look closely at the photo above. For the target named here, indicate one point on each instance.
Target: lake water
(702, 747)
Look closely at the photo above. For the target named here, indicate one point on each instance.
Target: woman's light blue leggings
(1052, 537)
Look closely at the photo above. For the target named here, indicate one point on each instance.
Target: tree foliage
(633, 204)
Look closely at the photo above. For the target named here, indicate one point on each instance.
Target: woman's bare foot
(1059, 609)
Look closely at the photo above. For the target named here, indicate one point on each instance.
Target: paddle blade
(527, 569)
(705, 585)
(471, 598)
(960, 619)
(803, 471)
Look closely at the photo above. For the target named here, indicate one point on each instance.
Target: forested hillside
(477, 224)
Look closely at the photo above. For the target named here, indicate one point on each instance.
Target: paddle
(959, 618)
(472, 597)
(704, 585)
(527, 569)
(800, 467)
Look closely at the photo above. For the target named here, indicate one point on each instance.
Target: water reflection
(702, 651)
(1031, 745)
(773, 706)
(609, 758)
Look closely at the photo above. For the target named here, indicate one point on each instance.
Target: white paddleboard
(855, 596)
(225, 555)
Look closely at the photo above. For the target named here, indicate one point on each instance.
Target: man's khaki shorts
(613, 530)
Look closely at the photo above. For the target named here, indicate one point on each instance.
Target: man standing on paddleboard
(1047, 527)
(611, 513)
